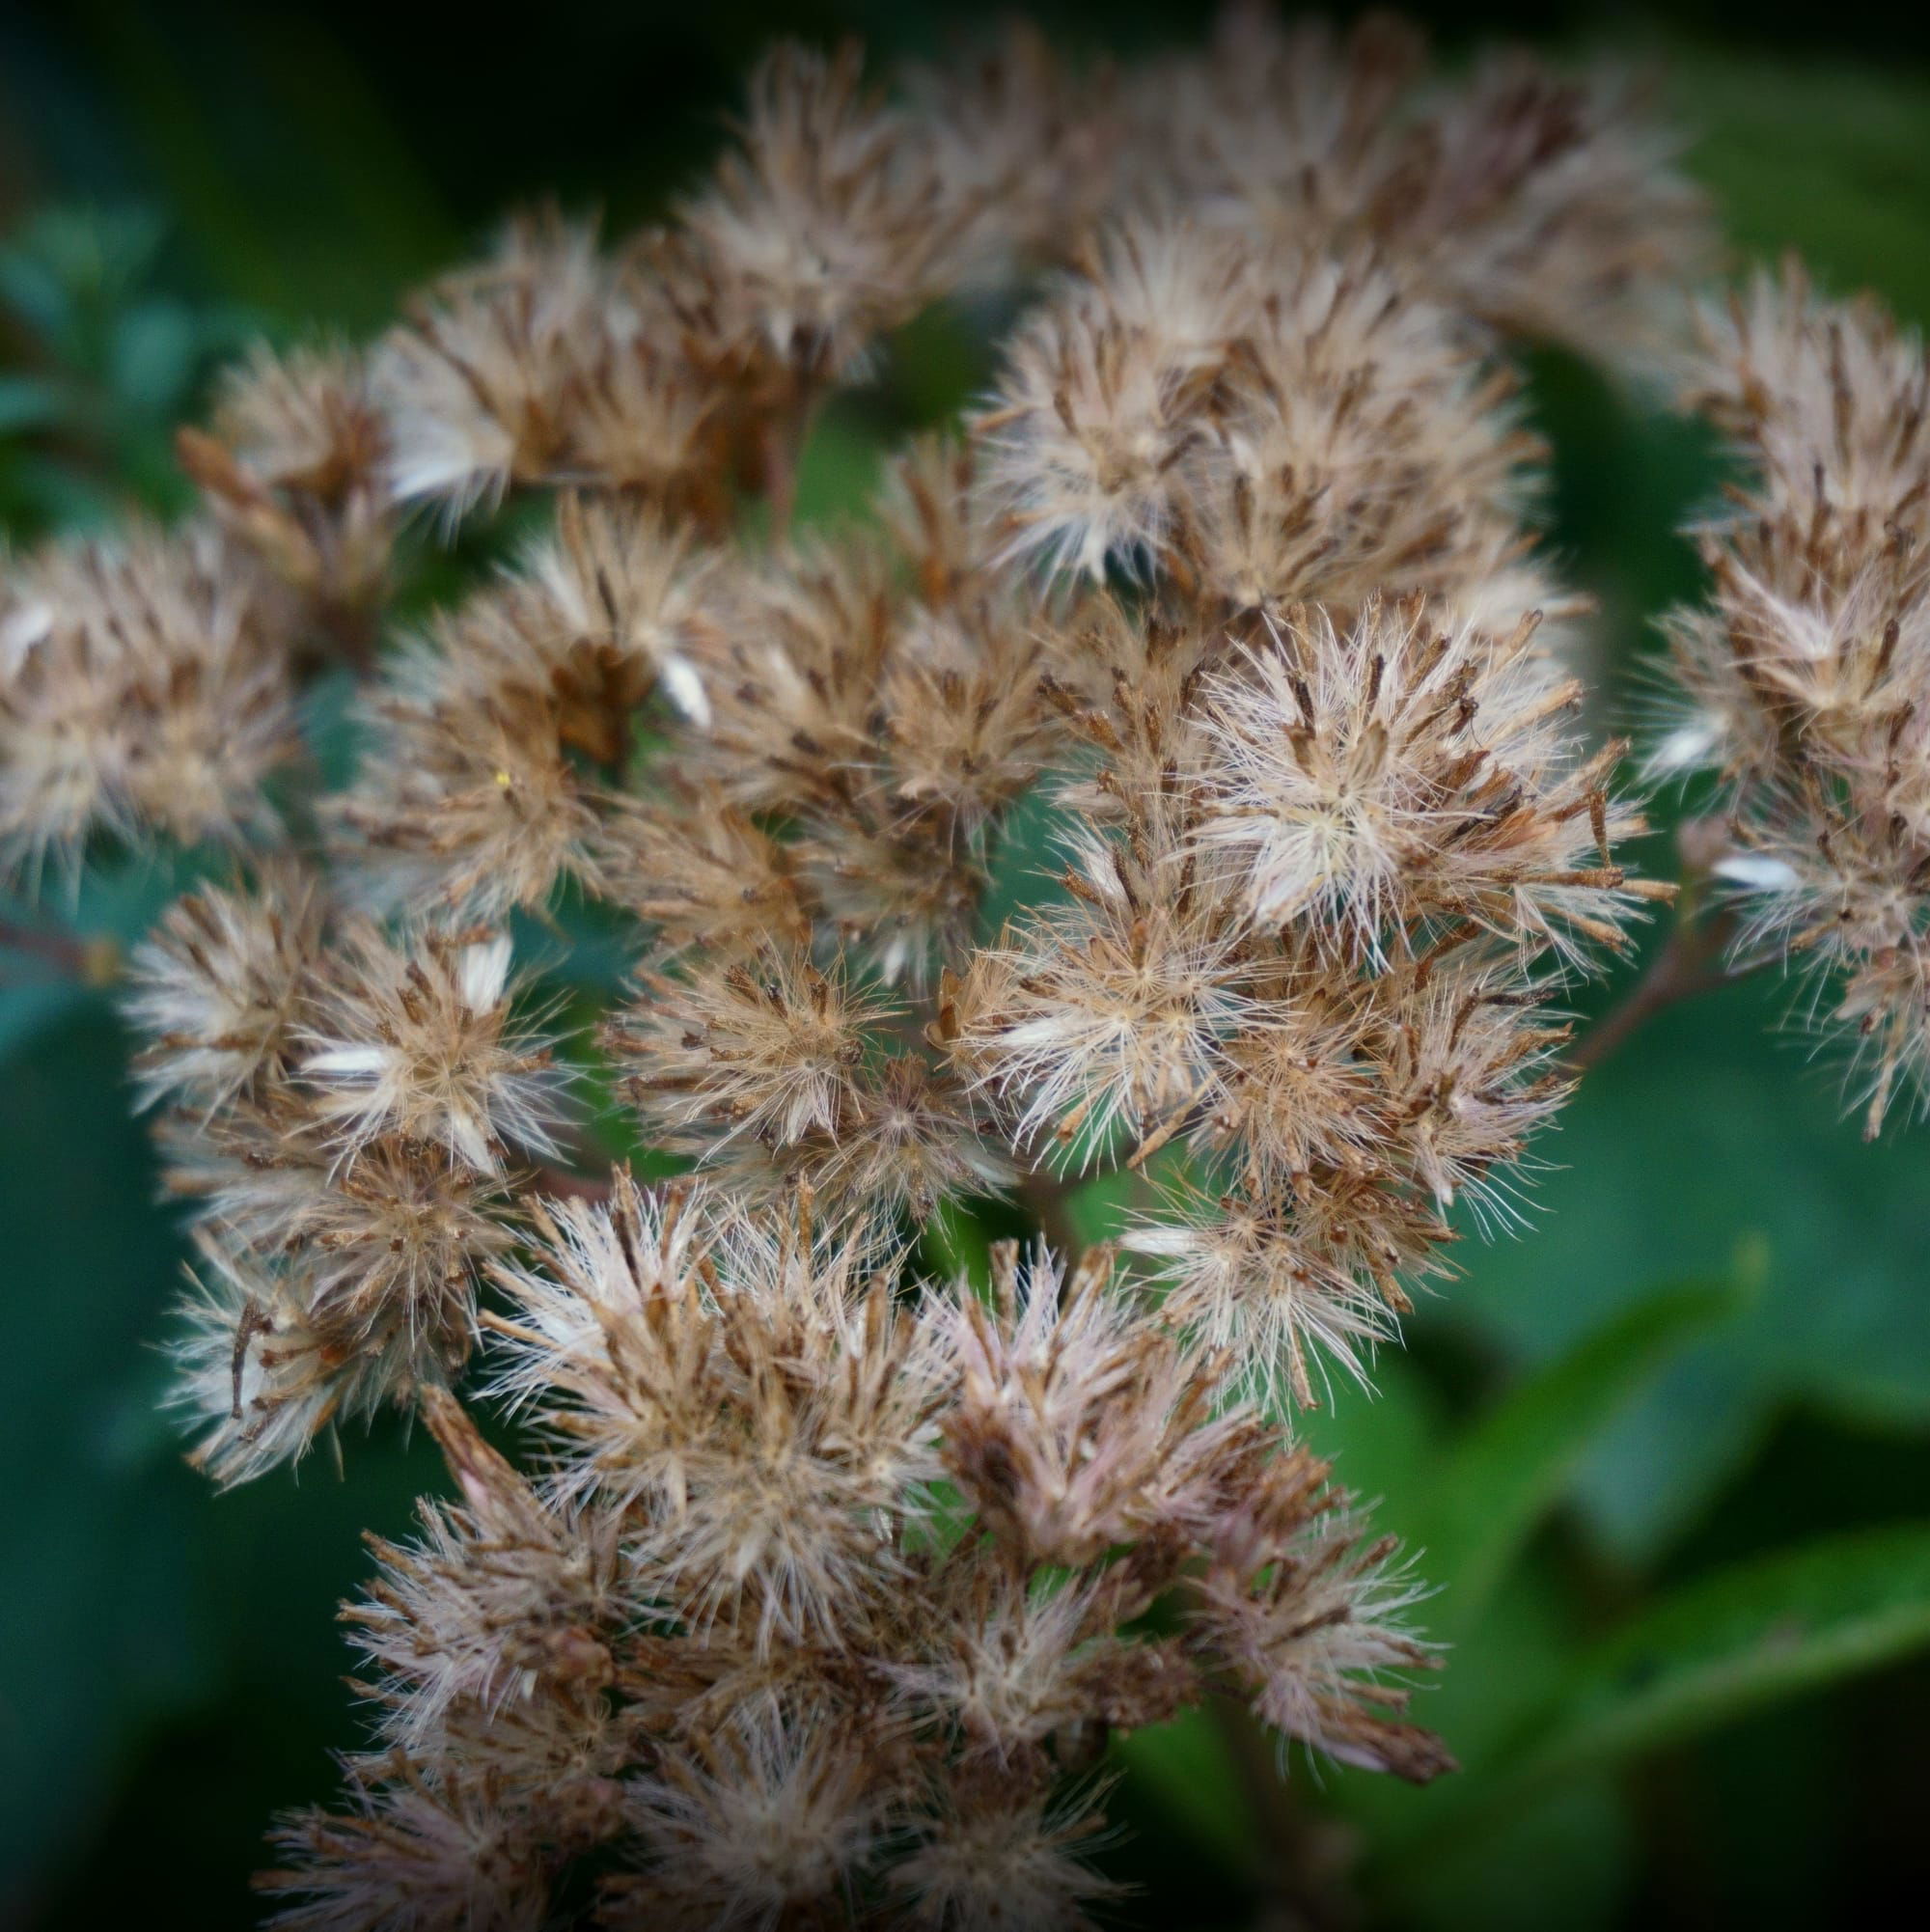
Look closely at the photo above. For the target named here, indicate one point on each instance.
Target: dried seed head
(1369, 782)
(220, 987)
(417, 1041)
(829, 1582)
(144, 688)
(829, 224)
(1802, 681)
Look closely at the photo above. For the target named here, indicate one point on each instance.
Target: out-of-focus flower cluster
(829, 1579)
(1805, 682)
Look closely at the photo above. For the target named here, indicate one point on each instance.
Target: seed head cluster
(1177, 774)
(1804, 683)
(820, 1594)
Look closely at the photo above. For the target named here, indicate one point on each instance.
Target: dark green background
(172, 179)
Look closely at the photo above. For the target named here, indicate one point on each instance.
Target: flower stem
(1690, 962)
(94, 962)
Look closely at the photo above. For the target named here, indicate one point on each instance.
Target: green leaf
(1722, 1647)
(1741, 1637)
(1568, 1861)
(1704, 1133)
(29, 402)
(96, 1632)
(1384, 1436)
(29, 1007)
(152, 353)
(1186, 1768)
(1517, 1461)
(1829, 158)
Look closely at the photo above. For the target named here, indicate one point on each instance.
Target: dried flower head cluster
(147, 689)
(1326, 881)
(341, 1109)
(827, 1580)
(822, 1595)
(1805, 683)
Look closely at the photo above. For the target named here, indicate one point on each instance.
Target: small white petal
(1687, 748)
(356, 1061)
(482, 972)
(684, 688)
(1153, 1239)
(25, 628)
(1759, 873)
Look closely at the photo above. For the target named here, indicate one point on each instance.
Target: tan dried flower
(827, 226)
(419, 1044)
(220, 989)
(1803, 677)
(297, 467)
(1401, 773)
(761, 1421)
(144, 687)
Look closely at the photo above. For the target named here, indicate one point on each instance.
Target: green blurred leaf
(30, 290)
(155, 348)
(1827, 157)
(29, 402)
(69, 268)
(1520, 1457)
(838, 469)
(1384, 1437)
(1187, 1768)
(1730, 1642)
(1722, 1645)
(96, 1628)
(28, 1007)
(1703, 1135)
(955, 1245)
(1565, 1859)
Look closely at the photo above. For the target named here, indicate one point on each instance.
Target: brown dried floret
(295, 465)
(548, 363)
(700, 871)
(766, 1044)
(1801, 682)
(144, 689)
(449, 1857)
(762, 1414)
(418, 1041)
(504, 1603)
(1102, 1021)
(220, 986)
(827, 224)
(1367, 781)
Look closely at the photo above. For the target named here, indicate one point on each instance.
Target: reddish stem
(91, 961)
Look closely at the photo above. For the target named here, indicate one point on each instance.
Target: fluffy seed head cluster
(1545, 204)
(1805, 682)
(741, 1642)
(1328, 881)
(1274, 425)
(1174, 772)
(342, 1110)
(145, 683)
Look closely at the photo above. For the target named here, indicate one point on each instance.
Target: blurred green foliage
(1664, 1452)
